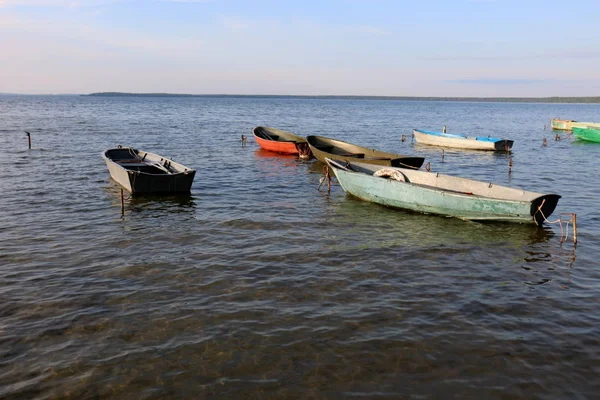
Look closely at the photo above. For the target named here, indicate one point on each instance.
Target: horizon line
(556, 99)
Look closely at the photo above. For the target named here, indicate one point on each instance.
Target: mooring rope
(543, 216)
(324, 178)
(564, 233)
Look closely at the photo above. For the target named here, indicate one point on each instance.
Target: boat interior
(130, 159)
(266, 135)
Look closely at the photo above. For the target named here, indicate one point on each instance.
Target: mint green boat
(446, 195)
(588, 134)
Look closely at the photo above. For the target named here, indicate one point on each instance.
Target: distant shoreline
(555, 99)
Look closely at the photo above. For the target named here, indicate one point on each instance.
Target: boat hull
(568, 124)
(140, 172)
(587, 134)
(280, 141)
(461, 142)
(322, 148)
(434, 193)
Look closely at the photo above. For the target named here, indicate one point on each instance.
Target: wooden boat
(569, 124)
(280, 141)
(460, 141)
(323, 147)
(588, 134)
(142, 172)
(434, 193)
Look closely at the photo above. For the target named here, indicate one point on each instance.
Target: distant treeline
(475, 99)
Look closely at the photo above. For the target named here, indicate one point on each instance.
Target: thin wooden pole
(122, 203)
(28, 138)
(575, 228)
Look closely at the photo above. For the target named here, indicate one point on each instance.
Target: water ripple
(258, 285)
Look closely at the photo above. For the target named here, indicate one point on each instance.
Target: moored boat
(141, 172)
(569, 124)
(324, 147)
(435, 193)
(280, 141)
(460, 141)
(589, 134)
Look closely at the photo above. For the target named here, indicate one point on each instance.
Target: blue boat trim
(461, 136)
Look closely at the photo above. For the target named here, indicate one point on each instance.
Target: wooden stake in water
(442, 155)
(122, 203)
(575, 228)
(28, 138)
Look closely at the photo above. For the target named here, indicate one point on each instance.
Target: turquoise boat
(435, 193)
(589, 134)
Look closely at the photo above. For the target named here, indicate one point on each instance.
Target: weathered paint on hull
(429, 199)
(422, 137)
(568, 125)
(587, 134)
(323, 148)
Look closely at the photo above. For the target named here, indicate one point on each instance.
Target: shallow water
(258, 285)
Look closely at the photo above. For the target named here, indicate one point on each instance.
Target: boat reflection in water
(151, 204)
(266, 154)
(448, 249)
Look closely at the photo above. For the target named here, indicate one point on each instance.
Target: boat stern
(503, 145)
(408, 162)
(543, 206)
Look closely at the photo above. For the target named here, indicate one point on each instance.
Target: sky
(441, 48)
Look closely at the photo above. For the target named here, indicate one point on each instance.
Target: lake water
(260, 286)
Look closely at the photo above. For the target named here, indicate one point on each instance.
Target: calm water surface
(260, 286)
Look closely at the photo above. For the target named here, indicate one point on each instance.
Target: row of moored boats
(587, 131)
(389, 179)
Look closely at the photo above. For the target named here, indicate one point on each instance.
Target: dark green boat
(323, 147)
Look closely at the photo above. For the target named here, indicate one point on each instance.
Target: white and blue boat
(460, 141)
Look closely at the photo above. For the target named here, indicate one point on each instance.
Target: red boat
(280, 141)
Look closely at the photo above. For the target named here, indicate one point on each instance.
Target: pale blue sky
(329, 47)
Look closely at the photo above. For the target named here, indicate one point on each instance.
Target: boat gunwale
(358, 152)
(291, 137)
(186, 170)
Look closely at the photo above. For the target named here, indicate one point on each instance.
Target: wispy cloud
(188, 1)
(237, 23)
(57, 3)
(499, 81)
(542, 56)
(372, 30)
